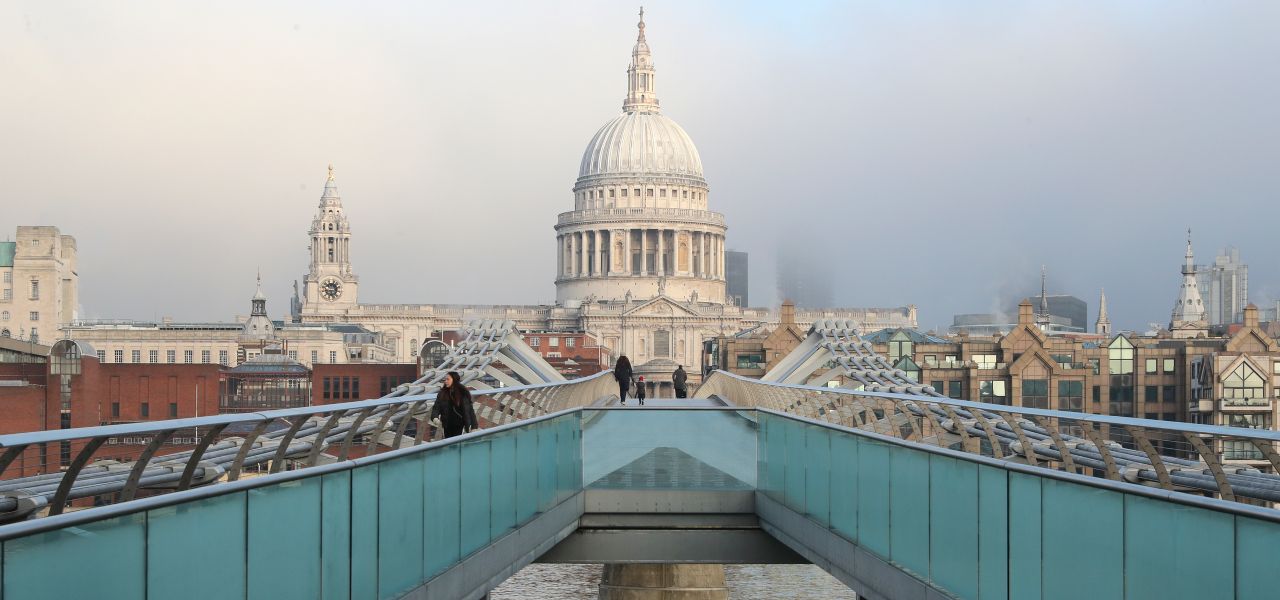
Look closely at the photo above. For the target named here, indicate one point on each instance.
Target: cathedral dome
(641, 143)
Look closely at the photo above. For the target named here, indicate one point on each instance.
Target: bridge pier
(663, 582)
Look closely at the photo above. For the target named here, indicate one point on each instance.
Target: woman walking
(453, 406)
(622, 373)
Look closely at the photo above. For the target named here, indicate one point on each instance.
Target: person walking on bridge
(640, 389)
(622, 373)
(454, 407)
(681, 381)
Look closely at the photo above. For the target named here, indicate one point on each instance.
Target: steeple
(259, 324)
(1103, 325)
(1042, 317)
(1188, 318)
(330, 196)
(641, 96)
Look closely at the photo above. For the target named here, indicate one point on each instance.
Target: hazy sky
(934, 153)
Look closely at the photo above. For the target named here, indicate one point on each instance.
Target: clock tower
(330, 285)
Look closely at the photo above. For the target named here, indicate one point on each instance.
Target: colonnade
(641, 252)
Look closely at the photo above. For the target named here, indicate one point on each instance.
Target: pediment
(1035, 362)
(661, 306)
(1251, 339)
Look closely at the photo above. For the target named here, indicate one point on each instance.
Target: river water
(756, 582)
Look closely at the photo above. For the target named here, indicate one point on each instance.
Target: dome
(641, 143)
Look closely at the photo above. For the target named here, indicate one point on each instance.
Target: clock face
(330, 289)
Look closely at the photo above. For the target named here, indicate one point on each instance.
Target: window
(34, 316)
(1243, 387)
(985, 361)
(649, 192)
(1169, 365)
(533, 342)
(931, 360)
(1097, 393)
(315, 357)
(954, 389)
(993, 391)
(952, 359)
(222, 357)
(1170, 393)
(624, 192)
(570, 342)
(8, 294)
(35, 289)
(171, 356)
(661, 343)
(153, 356)
(750, 360)
(118, 356)
(145, 410)
(637, 192)
(1035, 393)
(899, 346)
(909, 367)
(102, 356)
(1276, 367)
(293, 355)
(591, 195)
(1071, 396)
(1095, 366)
(1120, 363)
(135, 356)
(35, 334)
(206, 356)
(937, 386)
(554, 342)
(333, 356)
(1151, 366)
(662, 193)
(188, 356)
(173, 410)
(327, 394)
(115, 410)
(1151, 393)
(1064, 360)
(8, 276)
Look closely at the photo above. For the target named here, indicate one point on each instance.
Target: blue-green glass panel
(793, 491)
(442, 507)
(670, 449)
(78, 562)
(909, 509)
(1257, 546)
(475, 495)
(1025, 535)
(547, 468)
(873, 497)
(844, 485)
(953, 525)
(502, 483)
(1177, 551)
(526, 473)
(817, 477)
(993, 533)
(284, 537)
(575, 421)
(364, 531)
(400, 525)
(335, 536)
(775, 454)
(209, 533)
(1084, 533)
(566, 476)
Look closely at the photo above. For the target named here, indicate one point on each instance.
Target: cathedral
(639, 260)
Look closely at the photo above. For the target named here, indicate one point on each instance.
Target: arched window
(413, 347)
(434, 352)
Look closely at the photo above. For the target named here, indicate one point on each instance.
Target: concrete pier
(663, 582)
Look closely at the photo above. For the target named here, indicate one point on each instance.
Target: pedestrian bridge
(890, 501)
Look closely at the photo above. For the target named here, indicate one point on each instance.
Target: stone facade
(39, 286)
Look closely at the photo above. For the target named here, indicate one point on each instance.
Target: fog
(934, 153)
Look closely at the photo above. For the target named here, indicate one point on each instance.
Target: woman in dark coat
(622, 373)
(453, 406)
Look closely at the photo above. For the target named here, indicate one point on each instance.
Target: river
(755, 582)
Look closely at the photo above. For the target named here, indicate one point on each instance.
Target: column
(559, 256)
(596, 237)
(661, 262)
(583, 267)
(644, 252)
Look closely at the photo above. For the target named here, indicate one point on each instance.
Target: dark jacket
(453, 406)
(639, 386)
(622, 373)
(680, 379)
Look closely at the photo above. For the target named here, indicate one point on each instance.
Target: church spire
(641, 95)
(330, 195)
(1042, 318)
(1103, 325)
(1188, 313)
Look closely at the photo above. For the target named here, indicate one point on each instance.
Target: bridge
(895, 491)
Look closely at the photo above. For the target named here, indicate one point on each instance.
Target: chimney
(1025, 315)
(1251, 315)
(788, 312)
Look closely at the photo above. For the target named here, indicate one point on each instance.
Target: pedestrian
(622, 373)
(640, 389)
(454, 408)
(681, 381)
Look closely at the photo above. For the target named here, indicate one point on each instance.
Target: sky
(934, 153)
